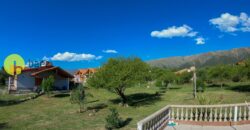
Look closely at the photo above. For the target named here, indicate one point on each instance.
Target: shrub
(205, 100)
(236, 78)
(113, 120)
(47, 84)
(201, 87)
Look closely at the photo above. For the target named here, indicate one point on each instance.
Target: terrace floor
(196, 127)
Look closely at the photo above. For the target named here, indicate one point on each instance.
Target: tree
(3, 76)
(79, 96)
(118, 74)
(47, 85)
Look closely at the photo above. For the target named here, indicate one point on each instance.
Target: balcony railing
(195, 113)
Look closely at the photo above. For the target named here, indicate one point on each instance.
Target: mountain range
(204, 59)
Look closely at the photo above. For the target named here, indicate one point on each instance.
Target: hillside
(202, 60)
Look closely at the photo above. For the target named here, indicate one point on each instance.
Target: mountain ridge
(203, 59)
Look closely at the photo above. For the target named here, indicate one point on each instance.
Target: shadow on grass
(93, 101)
(240, 88)
(126, 122)
(9, 102)
(217, 85)
(174, 88)
(165, 89)
(61, 95)
(4, 126)
(97, 107)
(140, 99)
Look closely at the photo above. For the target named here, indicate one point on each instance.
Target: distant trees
(163, 77)
(117, 74)
(3, 77)
(183, 78)
(47, 85)
(219, 74)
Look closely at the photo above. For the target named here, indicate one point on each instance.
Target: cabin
(31, 78)
(82, 75)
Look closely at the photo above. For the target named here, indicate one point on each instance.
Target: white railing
(156, 120)
(205, 113)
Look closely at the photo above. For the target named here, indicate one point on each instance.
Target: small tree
(78, 96)
(47, 85)
(113, 120)
(118, 74)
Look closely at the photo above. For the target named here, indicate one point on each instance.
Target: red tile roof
(85, 71)
(59, 71)
(37, 71)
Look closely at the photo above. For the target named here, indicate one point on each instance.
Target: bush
(47, 84)
(113, 120)
(206, 100)
(236, 78)
(201, 87)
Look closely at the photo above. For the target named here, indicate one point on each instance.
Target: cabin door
(38, 81)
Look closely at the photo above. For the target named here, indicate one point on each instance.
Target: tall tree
(118, 74)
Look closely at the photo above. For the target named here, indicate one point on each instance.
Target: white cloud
(232, 23)
(182, 31)
(109, 51)
(70, 57)
(45, 58)
(98, 57)
(200, 40)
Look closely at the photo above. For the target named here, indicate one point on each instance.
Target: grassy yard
(58, 113)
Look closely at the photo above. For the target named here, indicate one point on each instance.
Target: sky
(85, 33)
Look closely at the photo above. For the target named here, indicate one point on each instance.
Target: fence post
(235, 113)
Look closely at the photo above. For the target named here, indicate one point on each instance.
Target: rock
(91, 114)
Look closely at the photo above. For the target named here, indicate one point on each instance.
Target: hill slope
(202, 60)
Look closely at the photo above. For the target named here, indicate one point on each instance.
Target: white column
(235, 113)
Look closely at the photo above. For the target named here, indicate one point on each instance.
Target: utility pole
(193, 69)
(194, 83)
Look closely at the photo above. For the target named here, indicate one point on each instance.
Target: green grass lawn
(57, 112)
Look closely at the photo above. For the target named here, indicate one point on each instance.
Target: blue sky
(85, 33)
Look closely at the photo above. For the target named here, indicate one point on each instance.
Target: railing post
(139, 126)
(235, 113)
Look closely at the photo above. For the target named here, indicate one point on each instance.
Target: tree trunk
(122, 96)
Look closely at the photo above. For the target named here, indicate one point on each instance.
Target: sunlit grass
(56, 113)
